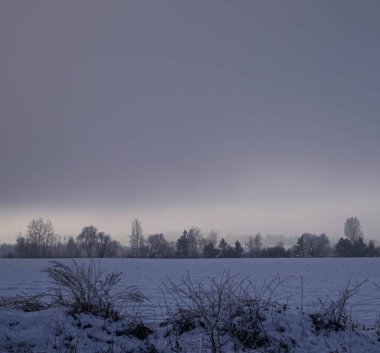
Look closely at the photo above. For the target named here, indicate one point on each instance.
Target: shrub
(86, 289)
(26, 303)
(331, 314)
(226, 311)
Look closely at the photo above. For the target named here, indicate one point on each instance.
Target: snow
(53, 330)
(305, 280)
(286, 322)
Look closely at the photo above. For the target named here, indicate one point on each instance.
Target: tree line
(41, 241)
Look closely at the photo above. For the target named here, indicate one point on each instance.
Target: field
(289, 291)
(321, 278)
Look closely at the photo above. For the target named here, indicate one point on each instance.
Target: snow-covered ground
(221, 315)
(286, 326)
(291, 318)
(53, 330)
(305, 280)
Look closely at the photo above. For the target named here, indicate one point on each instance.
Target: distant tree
(212, 238)
(182, 245)
(323, 245)
(226, 250)
(7, 250)
(114, 249)
(275, 251)
(250, 246)
(158, 246)
(254, 245)
(257, 241)
(96, 244)
(223, 245)
(22, 247)
(209, 250)
(343, 247)
(172, 248)
(353, 229)
(136, 239)
(312, 245)
(372, 250)
(59, 248)
(239, 250)
(194, 236)
(190, 243)
(209, 247)
(358, 248)
(87, 239)
(72, 249)
(40, 238)
(102, 243)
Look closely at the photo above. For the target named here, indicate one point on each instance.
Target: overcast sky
(239, 116)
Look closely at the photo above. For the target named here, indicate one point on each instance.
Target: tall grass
(87, 289)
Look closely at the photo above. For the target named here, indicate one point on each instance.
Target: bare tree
(353, 229)
(72, 249)
(312, 245)
(102, 244)
(210, 244)
(114, 249)
(22, 246)
(257, 241)
(194, 237)
(136, 238)
(254, 244)
(158, 246)
(40, 237)
(87, 239)
(213, 238)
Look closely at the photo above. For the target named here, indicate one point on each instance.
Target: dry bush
(226, 310)
(26, 303)
(332, 314)
(87, 289)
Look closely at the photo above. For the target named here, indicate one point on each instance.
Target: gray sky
(242, 116)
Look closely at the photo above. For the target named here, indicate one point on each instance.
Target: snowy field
(294, 324)
(304, 280)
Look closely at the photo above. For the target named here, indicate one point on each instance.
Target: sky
(239, 116)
